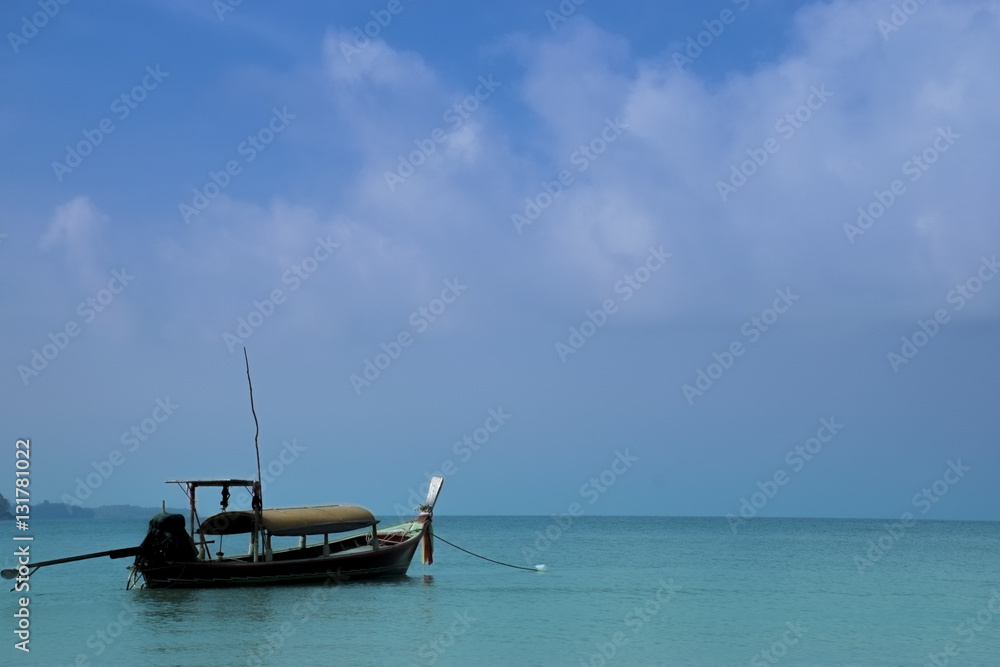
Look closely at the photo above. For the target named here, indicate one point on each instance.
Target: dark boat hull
(387, 561)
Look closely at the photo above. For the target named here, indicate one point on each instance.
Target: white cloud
(375, 62)
(75, 224)
(239, 252)
(785, 224)
(77, 227)
(657, 183)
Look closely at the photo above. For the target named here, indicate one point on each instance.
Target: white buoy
(541, 568)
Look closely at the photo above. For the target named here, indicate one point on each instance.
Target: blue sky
(661, 244)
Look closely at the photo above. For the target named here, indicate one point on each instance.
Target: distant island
(47, 510)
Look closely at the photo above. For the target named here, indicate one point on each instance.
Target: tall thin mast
(256, 448)
(258, 492)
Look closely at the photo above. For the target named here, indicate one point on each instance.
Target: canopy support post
(190, 493)
(258, 523)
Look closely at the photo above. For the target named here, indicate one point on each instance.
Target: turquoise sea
(619, 591)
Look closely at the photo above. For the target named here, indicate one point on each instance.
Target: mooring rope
(537, 568)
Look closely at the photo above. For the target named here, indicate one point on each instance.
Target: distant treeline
(47, 510)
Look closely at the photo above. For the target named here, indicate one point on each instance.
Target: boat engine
(166, 541)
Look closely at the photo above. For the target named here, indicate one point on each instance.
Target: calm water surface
(619, 591)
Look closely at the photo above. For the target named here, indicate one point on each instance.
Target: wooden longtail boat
(170, 557)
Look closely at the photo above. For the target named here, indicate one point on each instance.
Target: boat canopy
(314, 520)
(214, 482)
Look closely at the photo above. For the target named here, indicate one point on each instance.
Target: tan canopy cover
(315, 520)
